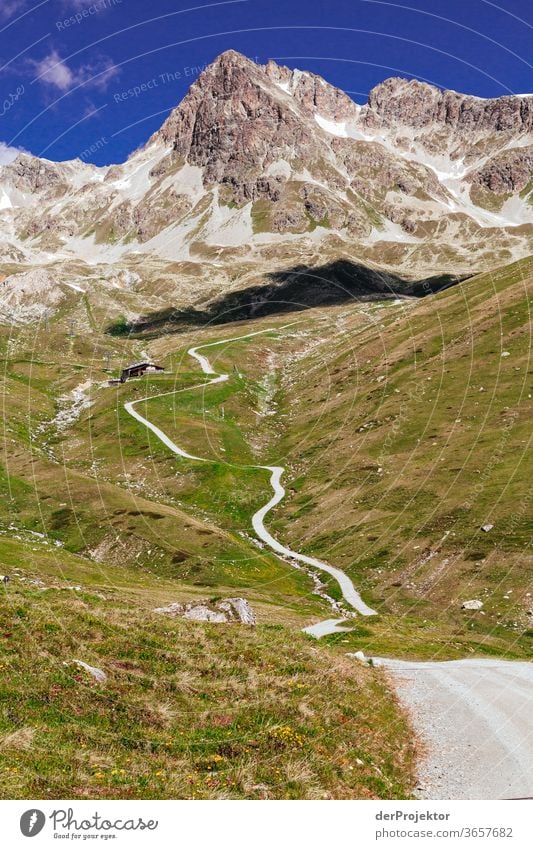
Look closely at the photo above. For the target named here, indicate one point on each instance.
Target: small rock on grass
(96, 673)
(473, 604)
(359, 655)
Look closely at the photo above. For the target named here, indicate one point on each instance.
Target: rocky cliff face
(262, 156)
(312, 93)
(409, 103)
(508, 172)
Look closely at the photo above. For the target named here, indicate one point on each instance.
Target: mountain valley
(343, 291)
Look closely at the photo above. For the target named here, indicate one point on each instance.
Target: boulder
(175, 608)
(202, 613)
(223, 610)
(239, 610)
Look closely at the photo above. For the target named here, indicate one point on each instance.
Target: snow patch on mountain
(5, 200)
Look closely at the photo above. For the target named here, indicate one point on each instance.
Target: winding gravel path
(349, 593)
(475, 718)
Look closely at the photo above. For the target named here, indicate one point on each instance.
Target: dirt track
(475, 718)
(349, 592)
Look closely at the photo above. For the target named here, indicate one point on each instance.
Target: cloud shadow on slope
(291, 290)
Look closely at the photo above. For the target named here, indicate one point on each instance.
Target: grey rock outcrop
(223, 610)
(29, 296)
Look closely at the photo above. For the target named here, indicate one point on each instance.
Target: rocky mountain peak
(226, 81)
(264, 158)
(238, 118)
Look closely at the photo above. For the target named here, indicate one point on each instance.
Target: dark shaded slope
(289, 290)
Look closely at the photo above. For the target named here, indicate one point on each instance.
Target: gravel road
(475, 718)
(348, 590)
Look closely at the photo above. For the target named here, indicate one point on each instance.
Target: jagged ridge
(256, 155)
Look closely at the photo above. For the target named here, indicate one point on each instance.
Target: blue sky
(67, 66)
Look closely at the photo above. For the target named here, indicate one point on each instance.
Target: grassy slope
(188, 710)
(406, 434)
(65, 484)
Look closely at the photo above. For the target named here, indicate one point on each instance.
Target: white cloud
(55, 72)
(8, 153)
(76, 4)
(11, 7)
